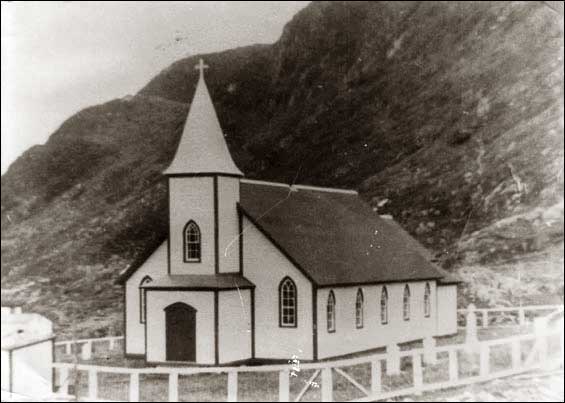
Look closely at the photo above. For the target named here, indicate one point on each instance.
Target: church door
(180, 322)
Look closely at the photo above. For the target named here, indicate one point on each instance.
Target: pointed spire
(202, 148)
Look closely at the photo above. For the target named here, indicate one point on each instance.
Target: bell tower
(203, 191)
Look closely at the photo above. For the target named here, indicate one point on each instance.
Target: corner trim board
(252, 323)
(168, 227)
(240, 219)
(314, 322)
(216, 329)
(125, 327)
(216, 227)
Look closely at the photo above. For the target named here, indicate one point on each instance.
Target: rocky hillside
(448, 116)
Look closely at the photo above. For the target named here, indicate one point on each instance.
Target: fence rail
(521, 360)
(420, 358)
(521, 315)
(87, 345)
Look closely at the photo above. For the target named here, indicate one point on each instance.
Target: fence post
(471, 325)
(327, 385)
(540, 326)
(376, 376)
(111, 346)
(92, 384)
(453, 366)
(484, 360)
(561, 344)
(86, 352)
(134, 387)
(283, 385)
(521, 317)
(232, 386)
(430, 355)
(417, 373)
(68, 348)
(484, 313)
(63, 381)
(173, 387)
(516, 354)
(393, 359)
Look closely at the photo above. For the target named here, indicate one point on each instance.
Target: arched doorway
(180, 325)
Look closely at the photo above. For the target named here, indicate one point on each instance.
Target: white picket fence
(323, 372)
(506, 316)
(86, 346)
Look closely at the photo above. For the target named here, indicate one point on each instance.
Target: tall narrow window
(427, 303)
(359, 309)
(142, 310)
(287, 303)
(406, 303)
(384, 306)
(330, 312)
(191, 238)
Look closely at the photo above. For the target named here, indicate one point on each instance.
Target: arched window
(330, 312)
(427, 303)
(384, 306)
(191, 239)
(142, 310)
(359, 309)
(406, 303)
(287, 303)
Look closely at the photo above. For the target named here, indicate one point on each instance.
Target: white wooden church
(256, 271)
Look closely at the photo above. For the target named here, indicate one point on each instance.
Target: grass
(263, 386)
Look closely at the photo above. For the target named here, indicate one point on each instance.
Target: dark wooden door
(180, 322)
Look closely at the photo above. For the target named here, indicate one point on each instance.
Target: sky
(60, 57)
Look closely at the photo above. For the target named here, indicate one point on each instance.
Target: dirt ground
(539, 387)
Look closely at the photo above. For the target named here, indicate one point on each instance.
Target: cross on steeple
(200, 67)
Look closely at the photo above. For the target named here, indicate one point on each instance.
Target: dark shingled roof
(200, 281)
(334, 237)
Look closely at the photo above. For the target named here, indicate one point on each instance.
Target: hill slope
(447, 115)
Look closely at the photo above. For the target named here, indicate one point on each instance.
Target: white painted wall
(266, 266)
(192, 198)
(202, 301)
(234, 324)
(155, 266)
(31, 370)
(228, 224)
(447, 309)
(348, 339)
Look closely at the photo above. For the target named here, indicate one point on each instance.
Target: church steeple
(202, 148)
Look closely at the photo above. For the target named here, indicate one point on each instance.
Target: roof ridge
(298, 187)
(326, 189)
(267, 183)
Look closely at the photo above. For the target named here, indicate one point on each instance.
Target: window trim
(281, 324)
(359, 310)
(185, 243)
(384, 298)
(143, 299)
(427, 301)
(331, 297)
(406, 303)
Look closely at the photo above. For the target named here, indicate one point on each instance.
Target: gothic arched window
(359, 309)
(287, 303)
(330, 312)
(427, 302)
(384, 306)
(142, 310)
(406, 303)
(191, 240)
